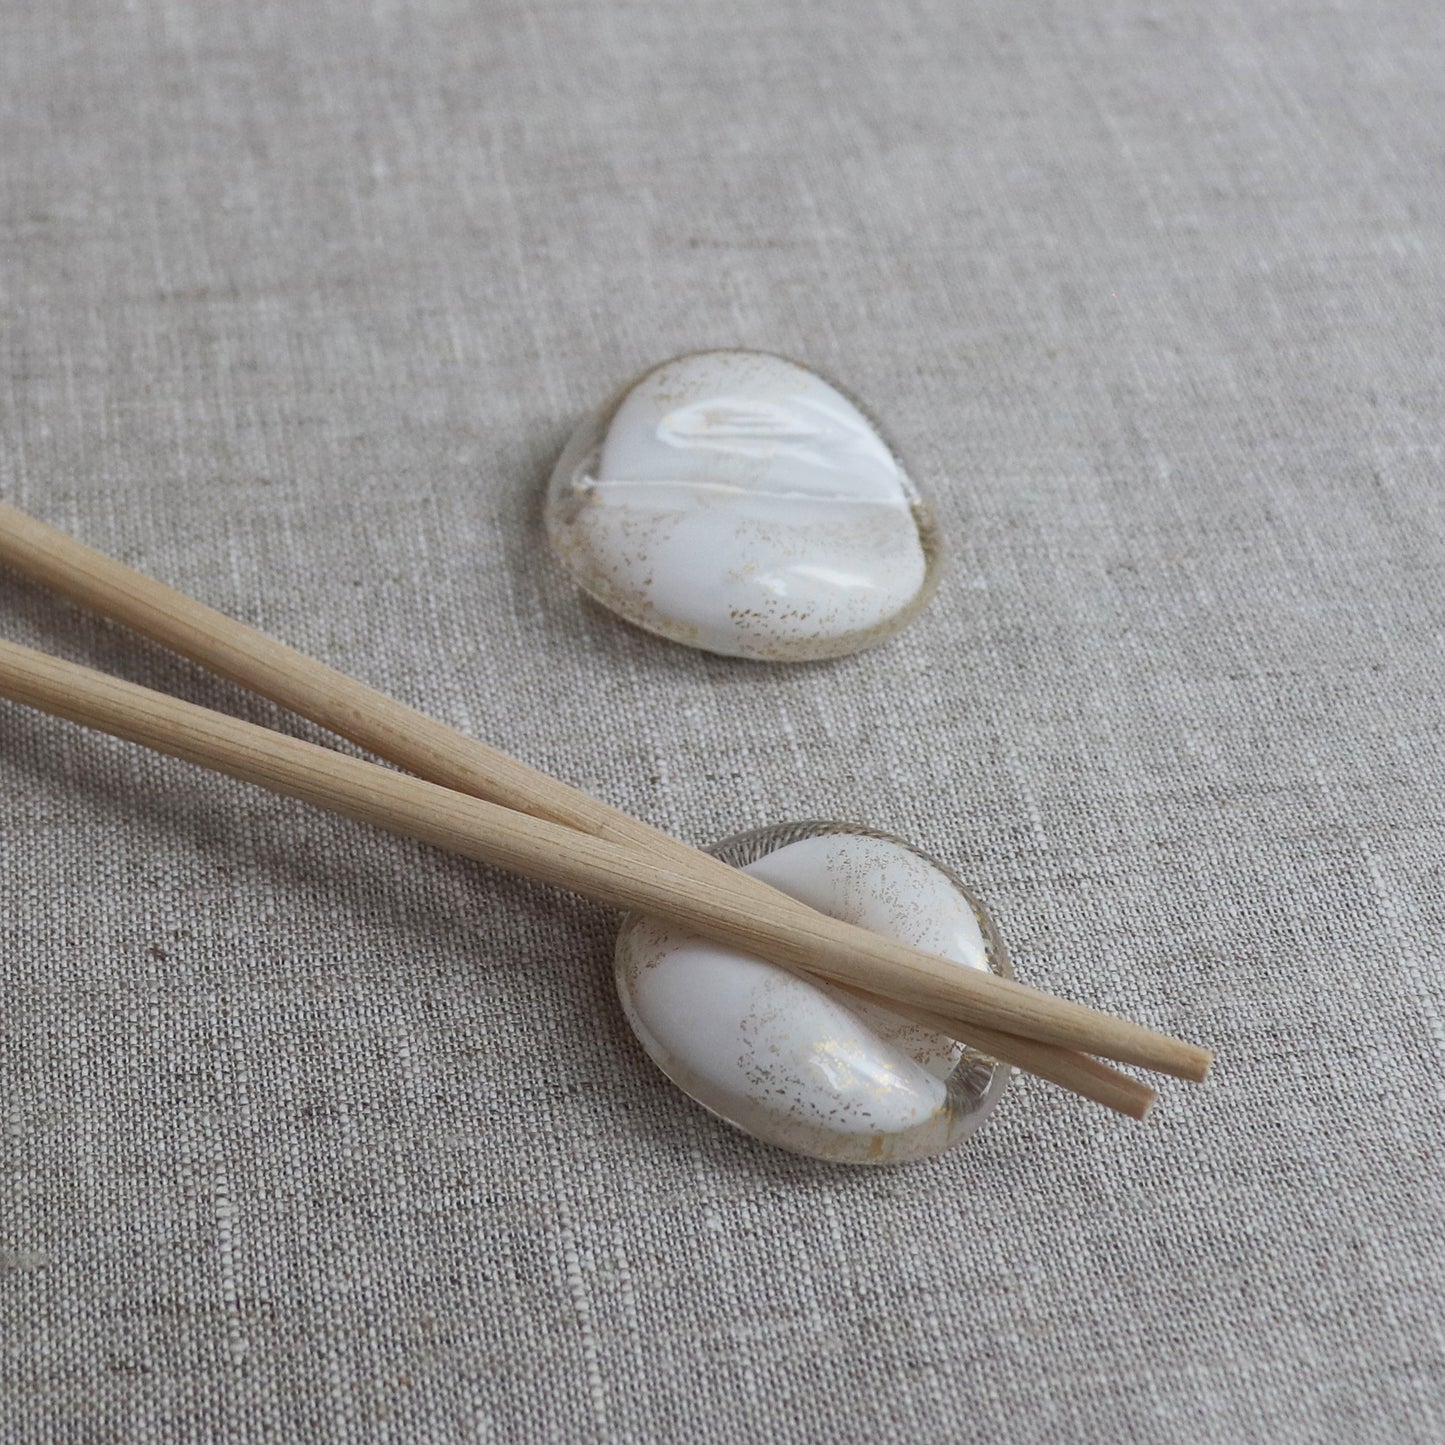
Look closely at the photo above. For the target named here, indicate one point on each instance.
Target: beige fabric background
(313, 1135)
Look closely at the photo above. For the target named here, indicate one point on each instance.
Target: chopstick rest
(737, 502)
(806, 1065)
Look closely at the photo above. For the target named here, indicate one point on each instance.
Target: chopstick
(721, 902)
(385, 726)
(531, 846)
(534, 847)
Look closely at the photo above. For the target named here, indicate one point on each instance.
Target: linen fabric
(314, 1134)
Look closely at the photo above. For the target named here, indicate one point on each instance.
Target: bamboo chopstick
(457, 822)
(547, 852)
(413, 740)
(453, 821)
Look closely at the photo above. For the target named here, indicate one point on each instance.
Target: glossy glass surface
(737, 502)
(804, 1065)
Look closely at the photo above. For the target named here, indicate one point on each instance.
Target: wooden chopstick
(461, 824)
(531, 846)
(416, 741)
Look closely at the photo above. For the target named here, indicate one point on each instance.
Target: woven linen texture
(312, 1134)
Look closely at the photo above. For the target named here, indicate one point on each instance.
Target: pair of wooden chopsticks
(474, 800)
